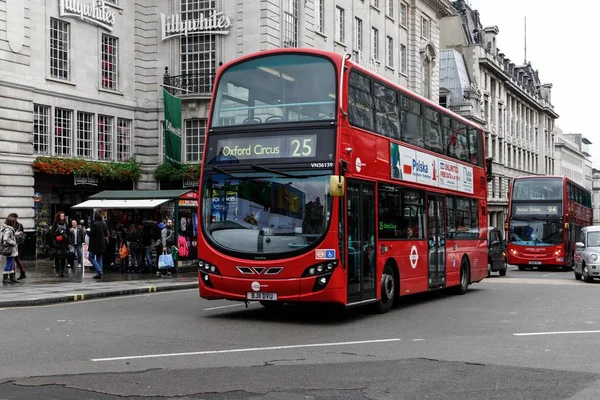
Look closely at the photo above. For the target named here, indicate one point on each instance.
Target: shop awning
(121, 203)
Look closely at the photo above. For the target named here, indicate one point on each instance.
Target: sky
(562, 45)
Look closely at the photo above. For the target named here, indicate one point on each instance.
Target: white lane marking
(537, 281)
(553, 333)
(251, 349)
(229, 306)
(550, 274)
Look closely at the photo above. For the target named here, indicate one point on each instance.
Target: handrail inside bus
(346, 57)
(312, 103)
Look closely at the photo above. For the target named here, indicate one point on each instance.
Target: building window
(427, 77)
(290, 23)
(197, 51)
(375, 3)
(41, 129)
(339, 24)
(375, 44)
(444, 100)
(59, 49)
(109, 62)
(425, 28)
(105, 137)
(124, 139)
(85, 134)
(194, 139)
(403, 14)
(63, 131)
(403, 59)
(358, 41)
(390, 49)
(390, 8)
(320, 15)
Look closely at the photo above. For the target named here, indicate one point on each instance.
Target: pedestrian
(147, 244)
(77, 236)
(167, 235)
(124, 256)
(20, 235)
(98, 235)
(60, 243)
(9, 249)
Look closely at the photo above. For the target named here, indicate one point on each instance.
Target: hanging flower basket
(168, 172)
(119, 171)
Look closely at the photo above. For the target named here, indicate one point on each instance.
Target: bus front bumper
(309, 289)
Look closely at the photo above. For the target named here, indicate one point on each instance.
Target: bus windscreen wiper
(221, 170)
(273, 171)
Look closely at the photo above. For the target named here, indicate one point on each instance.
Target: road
(529, 335)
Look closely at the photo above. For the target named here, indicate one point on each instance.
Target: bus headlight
(323, 268)
(594, 257)
(557, 252)
(514, 252)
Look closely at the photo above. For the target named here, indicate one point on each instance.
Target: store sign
(85, 180)
(92, 11)
(190, 183)
(214, 23)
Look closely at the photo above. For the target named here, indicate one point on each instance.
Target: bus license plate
(262, 296)
(535, 262)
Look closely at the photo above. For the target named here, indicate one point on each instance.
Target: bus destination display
(298, 146)
(531, 209)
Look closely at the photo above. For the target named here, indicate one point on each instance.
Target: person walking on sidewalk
(98, 235)
(167, 235)
(9, 249)
(20, 236)
(77, 236)
(60, 243)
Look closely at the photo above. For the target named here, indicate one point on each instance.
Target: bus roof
(337, 59)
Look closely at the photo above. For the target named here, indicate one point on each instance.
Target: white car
(587, 254)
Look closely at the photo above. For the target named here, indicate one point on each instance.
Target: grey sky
(558, 44)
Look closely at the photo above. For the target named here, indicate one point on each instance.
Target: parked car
(496, 252)
(587, 254)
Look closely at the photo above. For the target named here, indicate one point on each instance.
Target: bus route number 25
(304, 149)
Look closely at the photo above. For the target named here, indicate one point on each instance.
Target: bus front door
(360, 209)
(436, 236)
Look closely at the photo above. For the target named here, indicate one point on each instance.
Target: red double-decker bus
(545, 217)
(322, 182)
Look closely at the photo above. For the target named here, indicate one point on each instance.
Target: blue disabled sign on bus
(325, 254)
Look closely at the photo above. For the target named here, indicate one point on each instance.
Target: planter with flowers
(169, 172)
(128, 170)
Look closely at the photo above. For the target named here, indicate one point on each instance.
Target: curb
(72, 297)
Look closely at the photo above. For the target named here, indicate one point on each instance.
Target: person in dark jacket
(98, 234)
(60, 243)
(20, 235)
(77, 237)
(134, 237)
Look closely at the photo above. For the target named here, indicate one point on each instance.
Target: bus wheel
(273, 305)
(388, 290)
(464, 278)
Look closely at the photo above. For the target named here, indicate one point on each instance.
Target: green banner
(172, 128)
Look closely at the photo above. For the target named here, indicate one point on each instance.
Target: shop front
(126, 211)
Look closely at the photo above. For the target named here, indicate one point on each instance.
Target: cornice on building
(443, 8)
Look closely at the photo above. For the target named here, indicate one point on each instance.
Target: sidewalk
(42, 286)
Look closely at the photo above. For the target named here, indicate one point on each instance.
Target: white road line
(553, 333)
(229, 306)
(200, 353)
(550, 274)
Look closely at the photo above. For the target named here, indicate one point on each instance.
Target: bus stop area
(146, 211)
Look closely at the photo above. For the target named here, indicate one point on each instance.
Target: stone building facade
(480, 82)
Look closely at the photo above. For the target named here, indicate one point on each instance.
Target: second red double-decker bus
(545, 217)
(322, 182)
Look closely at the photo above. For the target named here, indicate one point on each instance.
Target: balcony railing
(200, 83)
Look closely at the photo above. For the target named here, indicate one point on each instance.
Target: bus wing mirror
(336, 185)
(488, 169)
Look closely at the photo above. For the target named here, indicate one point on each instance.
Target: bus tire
(504, 269)
(389, 289)
(464, 277)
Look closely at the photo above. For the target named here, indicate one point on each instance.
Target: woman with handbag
(9, 249)
(60, 242)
